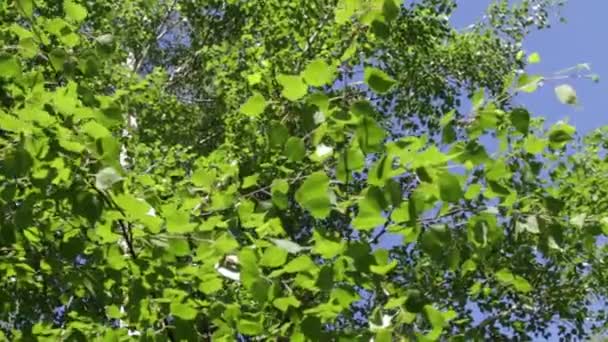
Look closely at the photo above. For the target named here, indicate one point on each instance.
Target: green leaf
(29, 47)
(504, 276)
(378, 80)
(132, 206)
(478, 99)
(483, 231)
(295, 149)
(183, 311)
(249, 327)
(313, 195)
(284, 303)
(113, 311)
(254, 106)
(26, 7)
(278, 134)
(394, 303)
(391, 10)
(250, 181)
(473, 191)
(520, 118)
(560, 134)
(9, 65)
(604, 224)
(468, 266)
(326, 247)
(383, 269)
(279, 190)
(521, 285)
(566, 94)
(294, 87)
(370, 135)
(370, 211)
(383, 335)
(449, 188)
(534, 145)
(530, 225)
(448, 134)
(273, 257)
(529, 83)
(300, 264)
(534, 58)
(254, 78)
(178, 220)
(179, 247)
(95, 130)
(225, 243)
(345, 9)
(402, 213)
(434, 316)
(107, 177)
(349, 161)
(105, 39)
(11, 124)
(578, 221)
(58, 58)
(76, 12)
(289, 246)
(115, 257)
(211, 285)
(322, 153)
(435, 241)
(249, 271)
(318, 73)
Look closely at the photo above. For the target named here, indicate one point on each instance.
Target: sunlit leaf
(273, 257)
(529, 83)
(74, 11)
(107, 177)
(26, 7)
(9, 65)
(566, 94)
(534, 58)
(294, 87)
(313, 195)
(318, 73)
(284, 303)
(183, 310)
(254, 106)
(326, 247)
(289, 246)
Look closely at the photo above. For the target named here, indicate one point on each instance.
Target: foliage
(225, 169)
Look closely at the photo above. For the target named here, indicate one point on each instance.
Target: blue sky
(563, 45)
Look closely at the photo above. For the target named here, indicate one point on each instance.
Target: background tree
(193, 170)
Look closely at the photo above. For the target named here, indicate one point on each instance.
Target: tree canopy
(306, 170)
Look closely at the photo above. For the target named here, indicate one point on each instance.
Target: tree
(202, 169)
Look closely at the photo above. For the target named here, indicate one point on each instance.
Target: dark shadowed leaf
(378, 80)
